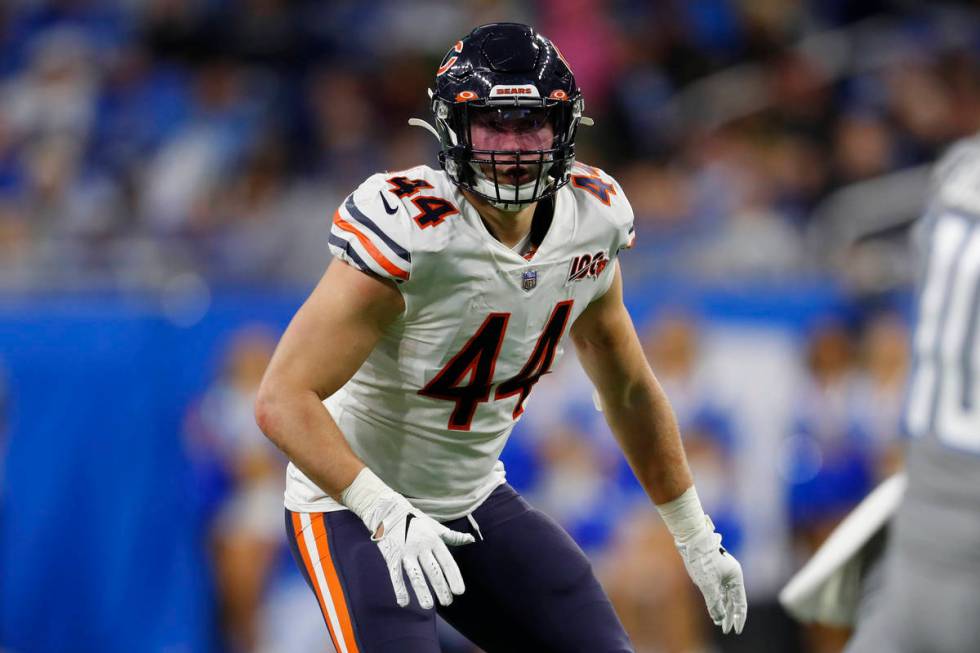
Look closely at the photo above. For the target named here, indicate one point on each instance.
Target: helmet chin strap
(505, 207)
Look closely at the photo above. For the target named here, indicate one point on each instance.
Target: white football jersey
(431, 408)
(943, 396)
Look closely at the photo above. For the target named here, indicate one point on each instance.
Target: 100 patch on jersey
(587, 266)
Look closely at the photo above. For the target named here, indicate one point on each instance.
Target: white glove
(719, 577)
(716, 573)
(407, 538)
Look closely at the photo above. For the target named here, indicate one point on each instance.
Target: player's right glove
(716, 573)
(407, 538)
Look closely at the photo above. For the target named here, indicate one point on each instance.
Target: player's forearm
(633, 402)
(640, 416)
(635, 406)
(643, 422)
(299, 424)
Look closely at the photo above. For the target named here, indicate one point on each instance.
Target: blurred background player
(930, 597)
(239, 476)
(921, 591)
(262, 605)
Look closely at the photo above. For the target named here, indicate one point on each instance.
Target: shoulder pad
(427, 196)
(957, 177)
(604, 196)
(371, 233)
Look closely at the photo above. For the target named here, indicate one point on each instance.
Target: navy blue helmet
(514, 74)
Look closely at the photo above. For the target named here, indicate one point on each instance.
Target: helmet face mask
(508, 153)
(506, 109)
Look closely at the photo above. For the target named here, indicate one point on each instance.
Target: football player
(930, 597)
(397, 383)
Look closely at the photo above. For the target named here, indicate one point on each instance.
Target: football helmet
(505, 73)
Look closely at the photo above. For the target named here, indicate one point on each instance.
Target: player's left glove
(719, 577)
(716, 573)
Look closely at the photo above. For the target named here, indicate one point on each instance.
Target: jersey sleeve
(620, 215)
(370, 232)
(956, 179)
(623, 220)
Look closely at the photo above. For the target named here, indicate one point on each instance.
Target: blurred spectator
(348, 147)
(830, 464)
(962, 71)
(55, 93)
(661, 610)
(244, 234)
(753, 239)
(589, 42)
(141, 104)
(884, 350)
(183, 177)
(922, 107)
(577, 487)
(666, 214)
(129, 121)
(246, 533)
(672, 346)
(799, 91)
(862, 148)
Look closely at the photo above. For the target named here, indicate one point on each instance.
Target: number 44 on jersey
(467, 379)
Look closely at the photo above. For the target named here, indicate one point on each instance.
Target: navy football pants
(529, 587)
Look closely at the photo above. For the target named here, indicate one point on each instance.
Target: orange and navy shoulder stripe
(367, 245)
(359, 216)
(313, 543)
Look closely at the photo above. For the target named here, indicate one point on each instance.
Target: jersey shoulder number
(376, 226)
(425, 198)
(597, 193)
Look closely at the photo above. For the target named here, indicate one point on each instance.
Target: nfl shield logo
(529, 279)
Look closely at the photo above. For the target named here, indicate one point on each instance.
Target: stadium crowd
(144, 138)
(760, 143)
